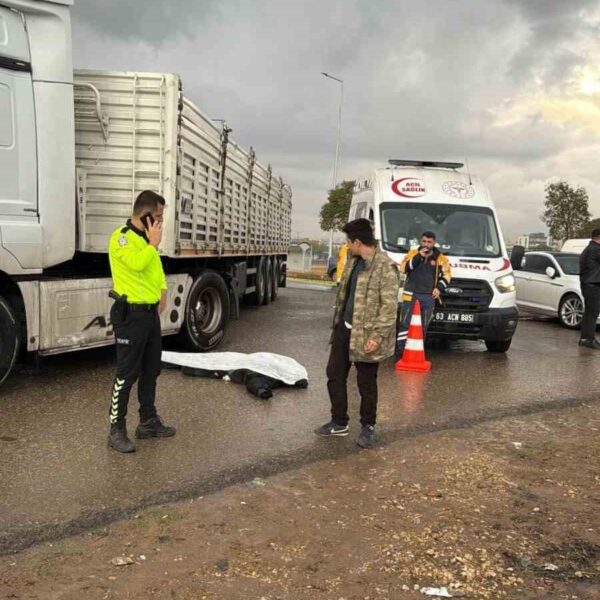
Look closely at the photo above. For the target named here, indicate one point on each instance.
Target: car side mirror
(551, 272)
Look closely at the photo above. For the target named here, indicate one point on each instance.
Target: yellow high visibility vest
(341, 262)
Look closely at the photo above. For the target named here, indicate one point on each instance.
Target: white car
(548, 284)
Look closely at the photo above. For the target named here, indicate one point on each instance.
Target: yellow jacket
(443, 273)
(341, 262)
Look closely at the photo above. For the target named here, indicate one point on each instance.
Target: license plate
(454, 317)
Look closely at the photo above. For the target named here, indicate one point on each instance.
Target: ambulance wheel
(498, 345)
(9, 339)
(206, 312)
(257, 297)
(275, 279)
(268, 280)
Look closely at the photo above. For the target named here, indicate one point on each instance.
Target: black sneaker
(366, 439)
(594, 344)
(154, 427)
(332, 429)
(119, 440)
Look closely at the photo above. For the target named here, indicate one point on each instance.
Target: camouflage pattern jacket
(375, 307)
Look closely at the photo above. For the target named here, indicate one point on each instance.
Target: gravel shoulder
(502, 510)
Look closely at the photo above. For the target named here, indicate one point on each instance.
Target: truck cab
(75, 151)
(407, 198)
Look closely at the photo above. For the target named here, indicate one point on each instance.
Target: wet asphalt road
(57, 476)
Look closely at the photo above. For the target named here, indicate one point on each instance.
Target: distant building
(538, 241)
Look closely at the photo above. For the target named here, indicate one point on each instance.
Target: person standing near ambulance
(427, 276)
(364, 328)
(140, 292)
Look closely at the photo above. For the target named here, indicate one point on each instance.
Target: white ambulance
(409, 197)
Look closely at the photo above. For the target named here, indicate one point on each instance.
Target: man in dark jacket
(589, 276)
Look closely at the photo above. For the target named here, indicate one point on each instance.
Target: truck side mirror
(551, 272)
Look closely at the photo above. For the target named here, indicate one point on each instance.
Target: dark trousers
(591, 297)
(427, 304)
(338, 368)
(139, 346)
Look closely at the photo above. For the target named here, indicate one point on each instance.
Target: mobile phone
(147, 217)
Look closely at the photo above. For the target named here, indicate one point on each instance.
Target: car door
(523, 281)
(544, 291)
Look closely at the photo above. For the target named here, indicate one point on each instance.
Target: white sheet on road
(280, 367)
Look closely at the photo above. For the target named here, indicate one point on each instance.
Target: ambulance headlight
(506, 283)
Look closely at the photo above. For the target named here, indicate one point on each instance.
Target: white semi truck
(75, 150)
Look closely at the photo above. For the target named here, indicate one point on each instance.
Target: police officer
(140, 286)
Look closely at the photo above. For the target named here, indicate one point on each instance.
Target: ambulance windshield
(460, 230)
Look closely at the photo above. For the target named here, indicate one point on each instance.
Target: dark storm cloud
(428, 80)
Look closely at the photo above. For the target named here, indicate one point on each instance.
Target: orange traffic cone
(413, 358)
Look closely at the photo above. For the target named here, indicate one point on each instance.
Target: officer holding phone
(139, 289)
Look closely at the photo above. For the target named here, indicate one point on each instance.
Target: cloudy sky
(513, 85)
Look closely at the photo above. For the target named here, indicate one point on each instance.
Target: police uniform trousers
(427, 304)
(139, 347)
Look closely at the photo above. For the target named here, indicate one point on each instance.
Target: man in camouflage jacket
(364, 329)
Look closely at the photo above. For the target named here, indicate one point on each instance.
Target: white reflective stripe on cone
(416, 320)
(412, 344)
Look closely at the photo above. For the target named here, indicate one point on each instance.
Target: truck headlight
(506, 283)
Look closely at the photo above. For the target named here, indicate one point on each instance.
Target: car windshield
(460, 230)
(569, 264)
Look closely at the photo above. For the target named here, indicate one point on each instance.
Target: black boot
(154, 427)
(117, 438)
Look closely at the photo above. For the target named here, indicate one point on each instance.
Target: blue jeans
(427, 303)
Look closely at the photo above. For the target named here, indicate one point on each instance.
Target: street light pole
(337, 146)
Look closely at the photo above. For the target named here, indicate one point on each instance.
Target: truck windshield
(460, 230)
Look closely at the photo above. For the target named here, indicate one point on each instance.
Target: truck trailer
(76, 148)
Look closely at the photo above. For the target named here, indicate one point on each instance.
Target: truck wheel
(257, 297)
(206, 312)
(498, 345)
(9, 339)
(268, 280)
(570, 311)
(282, 275)
(275, 280)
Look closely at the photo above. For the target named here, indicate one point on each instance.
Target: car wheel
(570, 311)
(498, 345)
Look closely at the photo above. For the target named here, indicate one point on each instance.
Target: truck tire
(257, 297)
(275, 280)
(282, 275)
(9, 339)
(498, 345)
(206, 312)
(268, 280)
(570, 311)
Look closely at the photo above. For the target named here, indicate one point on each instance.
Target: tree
(334, 213)
(566, 211)
(586, 230)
